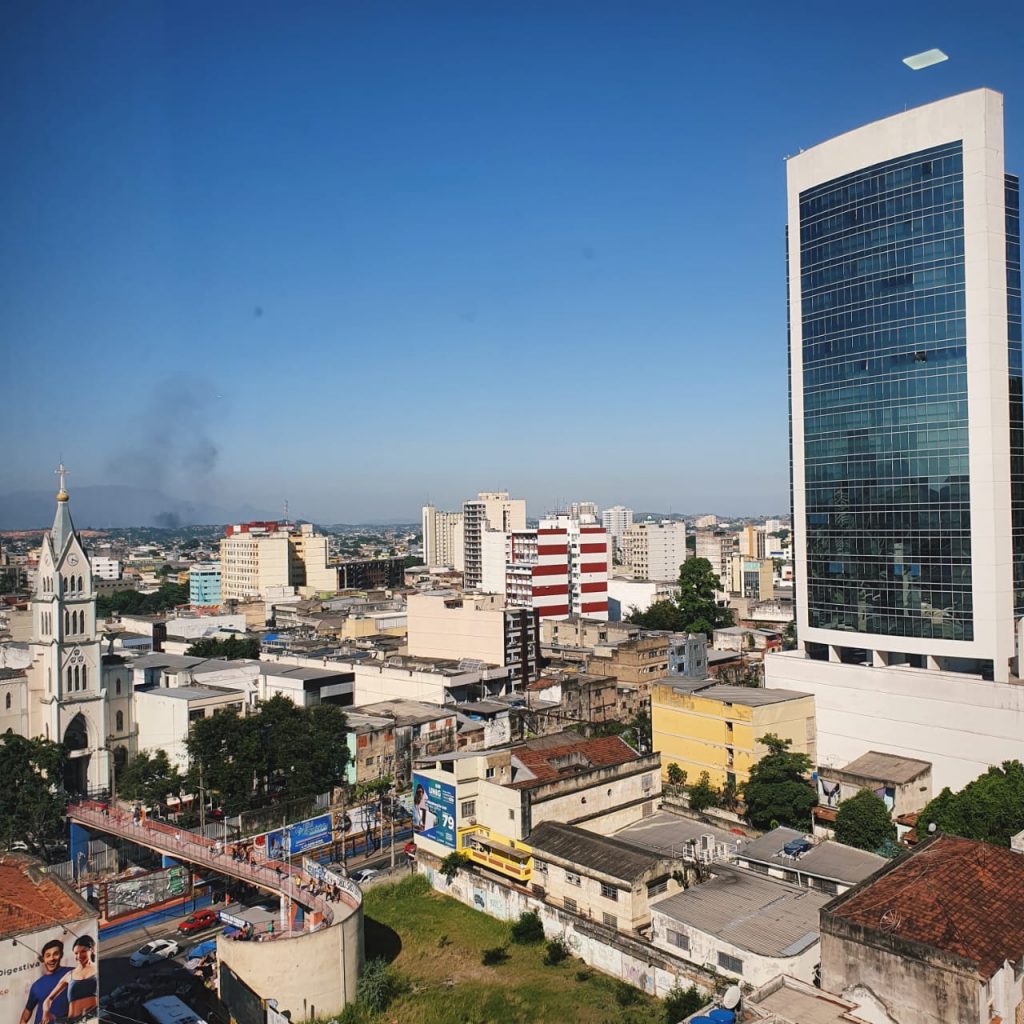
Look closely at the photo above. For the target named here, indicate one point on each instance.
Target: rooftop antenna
(286, 510)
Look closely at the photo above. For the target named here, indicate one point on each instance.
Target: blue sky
(361, 255)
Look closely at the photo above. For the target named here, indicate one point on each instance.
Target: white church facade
(66, 690)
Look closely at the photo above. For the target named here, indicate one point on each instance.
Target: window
(117, 687)
(572, 878)
(76, 677)
(67, 622)
(611, 920)
(7, 702)
(678, 939)
(119, 721)
(369, 762)
(730, 963)
(69, 679)
(468, 808)
(488, 773)
(85, 682)
(609, 892)
(657, 887)
(570, 904)
(540, 867)
(511, 814)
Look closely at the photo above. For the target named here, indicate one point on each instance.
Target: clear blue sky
(363, 254)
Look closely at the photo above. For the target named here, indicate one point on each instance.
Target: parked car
(154, 952)
(364, 875)
(198, 921)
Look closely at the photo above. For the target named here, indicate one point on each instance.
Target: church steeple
(63, 528)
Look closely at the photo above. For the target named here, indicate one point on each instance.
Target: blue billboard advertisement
(433, 810)
(305, 835)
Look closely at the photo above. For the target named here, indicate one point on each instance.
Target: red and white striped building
(559, 569)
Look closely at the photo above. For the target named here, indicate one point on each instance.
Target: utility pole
(202, 801)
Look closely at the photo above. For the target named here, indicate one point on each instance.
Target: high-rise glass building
(903, 257)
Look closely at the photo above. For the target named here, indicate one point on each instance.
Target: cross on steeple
(62, 494)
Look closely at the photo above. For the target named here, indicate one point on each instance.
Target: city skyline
(295, 264)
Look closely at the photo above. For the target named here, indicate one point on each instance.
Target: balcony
(508, 857)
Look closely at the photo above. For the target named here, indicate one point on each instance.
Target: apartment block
(655, 551)
(490, 510)
(442, 538)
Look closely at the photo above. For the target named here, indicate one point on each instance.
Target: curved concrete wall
(312, 974)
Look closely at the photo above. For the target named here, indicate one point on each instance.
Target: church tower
(67, 699)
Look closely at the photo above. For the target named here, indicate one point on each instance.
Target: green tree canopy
(991, 807)
(695, 610)
(703, 795)
(778, 790)
(149, 777)
(296, 752)
(131, 602)
(233, 648)
(32, 796)
(864, 821)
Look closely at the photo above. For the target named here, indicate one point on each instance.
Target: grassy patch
(450, 985)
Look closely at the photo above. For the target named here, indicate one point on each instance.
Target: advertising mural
(131, 894)
(433, 810)
(304, 835)
(355, 821)
(50, 974)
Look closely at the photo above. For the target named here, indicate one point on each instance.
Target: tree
(32, 799)
(789, 635)
(131, 602)
(680, 1003)
(149, 778)
(676, 775)
(778, 792)
(695, 610)
(991, 807)
(864, 821)
(291, 751)
(233, 649)
(702, 794)
(453, 863)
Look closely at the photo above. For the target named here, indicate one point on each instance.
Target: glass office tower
(907, 425)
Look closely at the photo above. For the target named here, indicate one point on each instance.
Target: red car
(198, 921)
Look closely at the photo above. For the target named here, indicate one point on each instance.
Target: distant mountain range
(110, 506)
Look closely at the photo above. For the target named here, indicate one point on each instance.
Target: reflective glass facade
(1016, 397)
(885, 399)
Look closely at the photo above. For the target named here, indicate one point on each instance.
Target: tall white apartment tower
(615, 521)
(489, 510)
(442, 538)
(907, 435)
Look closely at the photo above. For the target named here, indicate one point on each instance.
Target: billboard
(433, 810)
(304, 835)
(50, 973)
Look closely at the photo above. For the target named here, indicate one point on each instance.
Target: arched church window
(7, 703)
(117, 687)
(69, 678)
(119, 726)
(76, 677)
(81, 586)
(85, 682)
(67, 622)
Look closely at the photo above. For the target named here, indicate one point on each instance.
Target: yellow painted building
(704, 727)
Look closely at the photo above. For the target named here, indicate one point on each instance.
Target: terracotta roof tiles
(30, 900)
(558, 762)
(959, 896)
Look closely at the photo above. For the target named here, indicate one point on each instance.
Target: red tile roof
(544, 763)
(959, 896)
(30, 900)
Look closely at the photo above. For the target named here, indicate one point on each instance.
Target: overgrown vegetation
(556, 951)
(453, 864)
(528, 929)
(864, 821)
(695, 610)
(494, 956)
(702, 794)
(989, 808)
(680, 1003)
(778, 791)
(379, 985)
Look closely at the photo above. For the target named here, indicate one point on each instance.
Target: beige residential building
(444, 624)
(717, 547)
(751, 577)
(442, 538)
(257, 558)
(655, 551)
(752, 541)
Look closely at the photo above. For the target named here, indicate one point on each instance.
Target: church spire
(63, 528)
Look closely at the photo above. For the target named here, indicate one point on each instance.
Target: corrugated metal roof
(749, 911)
(611, 857)
(827, 859)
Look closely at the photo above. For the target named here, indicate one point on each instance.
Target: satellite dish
(731, 998)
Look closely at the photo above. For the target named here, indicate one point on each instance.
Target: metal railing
(275, 876)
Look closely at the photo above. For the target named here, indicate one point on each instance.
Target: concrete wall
(439, 631)
(313, 974)
(962, 724)
(894, 985)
